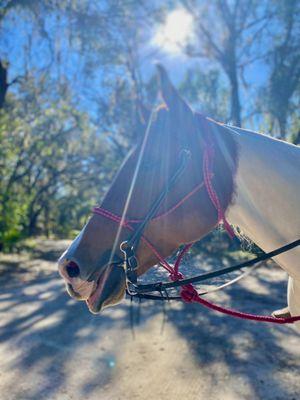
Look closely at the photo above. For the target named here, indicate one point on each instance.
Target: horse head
(91, 265)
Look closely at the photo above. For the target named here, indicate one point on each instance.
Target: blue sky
(20, 34)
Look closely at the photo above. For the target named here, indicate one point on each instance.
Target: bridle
(129, 247)
(188, 293)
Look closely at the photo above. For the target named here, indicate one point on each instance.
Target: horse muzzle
(109, 289)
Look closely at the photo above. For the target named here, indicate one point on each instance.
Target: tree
(236, 26)
(206, 92)
(284, 61)
(3, 83)
(49, 150)
(56, 161)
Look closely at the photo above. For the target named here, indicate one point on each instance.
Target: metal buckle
(130, 262)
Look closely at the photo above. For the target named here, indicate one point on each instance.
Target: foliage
(206, 92)
(51, 161)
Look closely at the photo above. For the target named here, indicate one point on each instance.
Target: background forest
(75, 73)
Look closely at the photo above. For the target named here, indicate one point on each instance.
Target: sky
(162, 44)
(169, 36)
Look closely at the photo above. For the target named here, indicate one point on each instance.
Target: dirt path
(52, 348)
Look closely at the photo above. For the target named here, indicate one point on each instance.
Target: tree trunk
(33, 216)
(282, 125)
(3, 83)
(46, 221)
(31, 228)
(235, 105)
(230, 66)
(297, 138)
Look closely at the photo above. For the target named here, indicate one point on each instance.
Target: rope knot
(175, 276)
(188, 293)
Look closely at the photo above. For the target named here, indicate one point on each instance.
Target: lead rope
(187, 292)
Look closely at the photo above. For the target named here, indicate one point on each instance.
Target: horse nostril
(72, 269)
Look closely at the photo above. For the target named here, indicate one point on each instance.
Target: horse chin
(110, 289)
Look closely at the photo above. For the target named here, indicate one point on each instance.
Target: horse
(255, 177)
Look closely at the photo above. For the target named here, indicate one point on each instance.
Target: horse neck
(266, 203)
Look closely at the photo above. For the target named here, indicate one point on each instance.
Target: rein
(187, 292)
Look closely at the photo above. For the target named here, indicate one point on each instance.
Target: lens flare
(175, 32)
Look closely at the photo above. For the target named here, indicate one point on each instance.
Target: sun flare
(175, 32)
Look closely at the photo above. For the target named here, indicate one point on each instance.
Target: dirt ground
(52, 348)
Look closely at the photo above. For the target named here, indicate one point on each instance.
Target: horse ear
(171, 97)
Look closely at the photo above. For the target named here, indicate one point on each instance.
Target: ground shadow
(53, 326)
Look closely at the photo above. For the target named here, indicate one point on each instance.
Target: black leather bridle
(129, 246)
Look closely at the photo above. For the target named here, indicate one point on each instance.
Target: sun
(176, 31)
